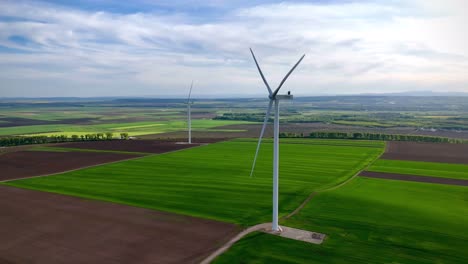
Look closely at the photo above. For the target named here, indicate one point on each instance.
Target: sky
(156, 48)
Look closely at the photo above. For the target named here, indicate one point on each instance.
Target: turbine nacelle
(282, 97)
(287, 96)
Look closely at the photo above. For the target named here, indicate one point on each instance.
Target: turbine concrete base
(288, 232)
(298, 234)
(185, 143)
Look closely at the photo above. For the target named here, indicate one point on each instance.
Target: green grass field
(371, 221)
(443, 170)
(213, 181)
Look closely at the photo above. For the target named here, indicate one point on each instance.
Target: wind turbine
(274, 98)
(189, 122)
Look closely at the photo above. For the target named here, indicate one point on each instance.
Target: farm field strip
(188, 181)
(414, 178)
(139, 146)
(35, 161)
(134, 128)
(444, 170)
(100, 113)
(371, 220)
(427, 152)
(26, 163)
(61, 149)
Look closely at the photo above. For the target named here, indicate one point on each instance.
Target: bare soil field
(20, 164)
(415, 178)
(40, 227)
(431, 152)
(18, 148)
(148, 146)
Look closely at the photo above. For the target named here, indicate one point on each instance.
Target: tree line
(8, 141)
(372, 136)
(252, 117)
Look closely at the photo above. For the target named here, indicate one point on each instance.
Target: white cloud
(351, 47)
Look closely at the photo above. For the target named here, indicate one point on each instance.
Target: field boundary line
(232, 241)
(101, 164)
(357, 173)
(307, 200)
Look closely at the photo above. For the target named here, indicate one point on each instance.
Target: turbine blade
(261, 73)
(267, 116)
(190, 93)
(287, 75)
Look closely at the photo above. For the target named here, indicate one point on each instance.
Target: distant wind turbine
(189, 122)
(274, 98)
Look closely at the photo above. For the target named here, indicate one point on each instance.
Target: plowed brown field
(431, 152)
(415, 178)
(21, 164)
(148, 146)
(40, 227)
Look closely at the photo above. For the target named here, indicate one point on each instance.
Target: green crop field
(371, 221)
(444, 170)
(213, 181)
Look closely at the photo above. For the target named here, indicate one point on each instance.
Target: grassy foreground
(213, 181)
(443, 170)
(371, 221)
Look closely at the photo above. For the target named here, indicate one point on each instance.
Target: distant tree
(74, 137)
(109, 135)
(123, 135)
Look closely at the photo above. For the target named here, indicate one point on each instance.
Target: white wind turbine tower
(274, 98)
(189, 121)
